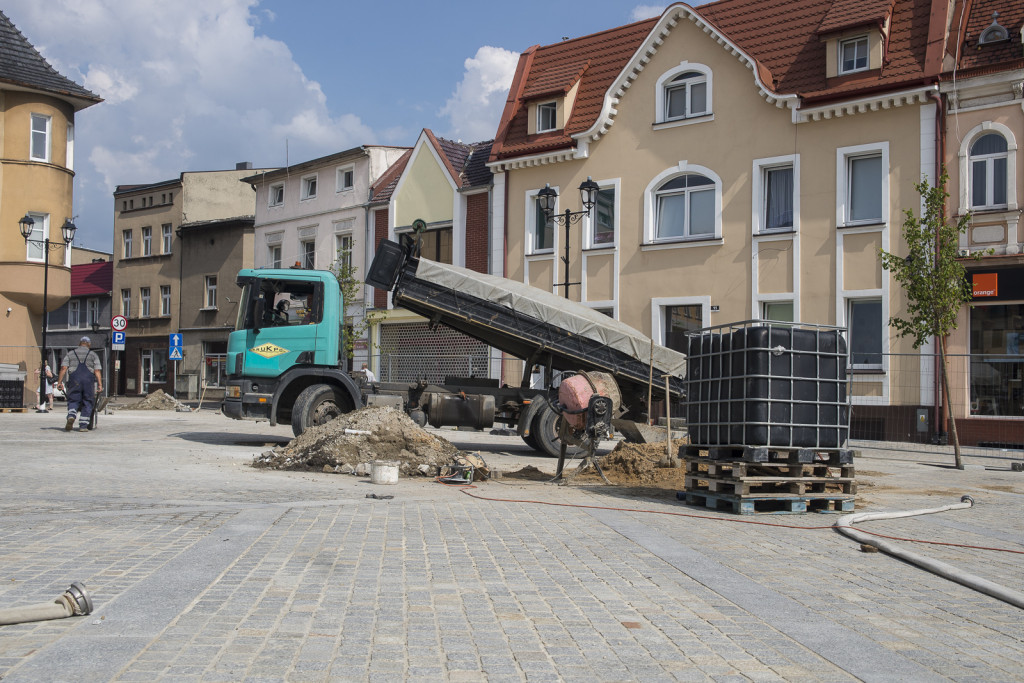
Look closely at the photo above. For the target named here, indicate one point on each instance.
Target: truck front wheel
(545, 434)
(318, 404)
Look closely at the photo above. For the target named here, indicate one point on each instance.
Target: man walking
(84, 367)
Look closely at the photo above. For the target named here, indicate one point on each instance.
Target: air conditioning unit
(963, 253)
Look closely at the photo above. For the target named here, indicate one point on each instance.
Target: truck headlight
(233, 391)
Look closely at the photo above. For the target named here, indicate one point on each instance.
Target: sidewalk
(202, 568)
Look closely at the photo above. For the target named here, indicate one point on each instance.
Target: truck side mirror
(259, 310)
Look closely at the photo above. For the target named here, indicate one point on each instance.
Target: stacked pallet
(759, 479)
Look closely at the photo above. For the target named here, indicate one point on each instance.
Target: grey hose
(75, 601)
(844, 525)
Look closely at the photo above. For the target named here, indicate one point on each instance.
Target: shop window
(997, 366)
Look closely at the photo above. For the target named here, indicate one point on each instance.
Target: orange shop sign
(985, 284)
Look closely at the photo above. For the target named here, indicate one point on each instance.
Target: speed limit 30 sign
(118, 323)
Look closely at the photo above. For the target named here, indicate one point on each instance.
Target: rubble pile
(351, 442)
(639, 464)
(158, 400)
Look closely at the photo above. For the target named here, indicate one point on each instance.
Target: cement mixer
(587, 403)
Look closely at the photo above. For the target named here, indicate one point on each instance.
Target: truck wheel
(530, 439)
(317, 404)
(545, 433)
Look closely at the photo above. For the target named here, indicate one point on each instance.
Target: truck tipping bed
(524, 321)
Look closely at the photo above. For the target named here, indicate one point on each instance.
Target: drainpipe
(940, 155)
(75, 601)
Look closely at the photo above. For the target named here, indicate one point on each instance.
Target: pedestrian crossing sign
(176, 353)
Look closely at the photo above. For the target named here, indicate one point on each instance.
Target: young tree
(933, 278)
(351, 289)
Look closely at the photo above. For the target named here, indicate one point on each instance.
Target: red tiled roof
(979, 18)
(844, 15)
(381, 190)
(558, 80)
(88, 279)
(781, 36)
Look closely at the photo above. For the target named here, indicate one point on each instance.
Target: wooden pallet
(731, 468)
(768, 505)
(746, 486)
(762, 454)
(13, 410)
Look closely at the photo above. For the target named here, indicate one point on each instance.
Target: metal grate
(412, 351)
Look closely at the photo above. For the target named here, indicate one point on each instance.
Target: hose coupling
(967, 499)
(78, 599)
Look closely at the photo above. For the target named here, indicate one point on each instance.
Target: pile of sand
(388, 434)
(158, 400)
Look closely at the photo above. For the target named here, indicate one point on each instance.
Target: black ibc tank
(768, 384)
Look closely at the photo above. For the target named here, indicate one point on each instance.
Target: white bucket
(384, 472)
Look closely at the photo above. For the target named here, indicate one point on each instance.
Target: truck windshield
(285, 302)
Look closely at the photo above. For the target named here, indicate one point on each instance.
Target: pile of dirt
(350, 443)
(158, 400)
(638, 465)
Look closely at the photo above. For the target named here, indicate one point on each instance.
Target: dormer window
(994, 33)
(547, 117)
(853, 55)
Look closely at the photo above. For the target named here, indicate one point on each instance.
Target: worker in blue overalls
(84, 378)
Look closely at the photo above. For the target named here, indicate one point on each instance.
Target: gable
(425, 190)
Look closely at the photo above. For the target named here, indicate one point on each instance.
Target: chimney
(243, 166)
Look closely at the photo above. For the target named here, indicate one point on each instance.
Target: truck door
(288, 331)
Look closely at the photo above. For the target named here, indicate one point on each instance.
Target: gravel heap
(392, 436)
(158, 400)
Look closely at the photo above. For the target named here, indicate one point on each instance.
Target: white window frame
(339, 178)
(74, 314)
(210, 292)
(35, 250)
(147, 240)
(92, 311)
(855, 42)
(852, 298)
(339, 243)
(126, 303)
(167, 237)
(759, 200)
(531, 225)
(1011, 164)
(126, 244)
(70, 149)
(304, 252)
(661, 96)
(659, 304)
(144, 302)
(651, 239)
(275, 195)
(590, 220)
(309, 187)
(46, 132)
(165, 301)
(542, 109)
(844, 158)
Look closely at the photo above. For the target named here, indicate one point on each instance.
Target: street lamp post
(547, 197)
(68, 234)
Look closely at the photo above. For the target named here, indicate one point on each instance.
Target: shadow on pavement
(232, 438)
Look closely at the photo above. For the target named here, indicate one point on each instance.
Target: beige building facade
(726, 196)
(37, 143)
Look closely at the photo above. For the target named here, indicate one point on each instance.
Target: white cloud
(641, 12)
(187, 85)
(474, 109)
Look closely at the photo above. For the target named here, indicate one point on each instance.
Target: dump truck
(285, 356)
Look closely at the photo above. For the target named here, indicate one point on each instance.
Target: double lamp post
(547, 197)
(67, 230)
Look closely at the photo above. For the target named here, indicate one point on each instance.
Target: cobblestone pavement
(202, 568)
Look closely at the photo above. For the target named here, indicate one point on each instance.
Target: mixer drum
(574, 394)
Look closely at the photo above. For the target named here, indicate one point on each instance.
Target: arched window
(988, 158)
(685, 207)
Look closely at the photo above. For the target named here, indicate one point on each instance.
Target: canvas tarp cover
(556, 311)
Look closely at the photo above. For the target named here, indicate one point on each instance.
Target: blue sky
(202, 84)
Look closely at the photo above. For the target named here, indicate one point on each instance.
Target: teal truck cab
(284, 357)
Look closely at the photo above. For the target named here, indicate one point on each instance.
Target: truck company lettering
(268, 350)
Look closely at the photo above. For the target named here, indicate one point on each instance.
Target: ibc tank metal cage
(768, 383)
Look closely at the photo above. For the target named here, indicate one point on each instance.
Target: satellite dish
(419, 225)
